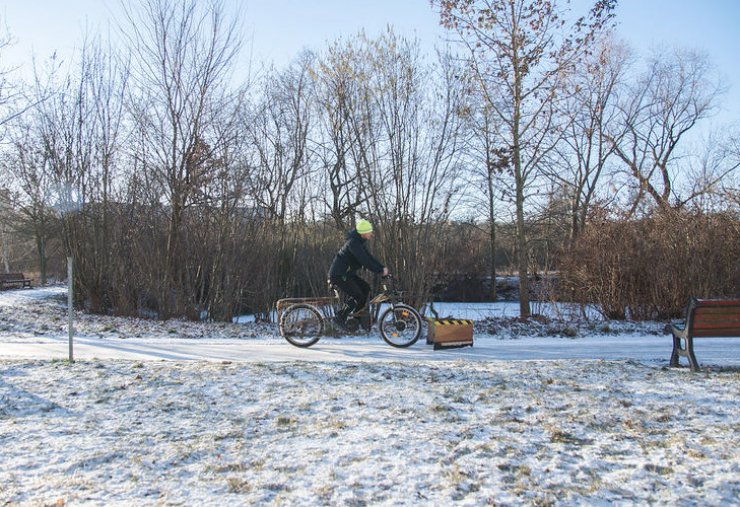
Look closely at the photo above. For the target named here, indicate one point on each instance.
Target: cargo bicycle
(303, 321)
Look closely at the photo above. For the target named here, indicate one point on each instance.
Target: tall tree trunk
(521, 241)
(4, 250)
(521, 237)
(41, 251)
(492, 235)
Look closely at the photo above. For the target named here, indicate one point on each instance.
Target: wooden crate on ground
(450, 333)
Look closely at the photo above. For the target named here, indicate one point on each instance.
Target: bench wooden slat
(707, 304)
(718, 333)
(716, 317)
(715, 313)
(708, 323)
(713, 320)
(708, 330)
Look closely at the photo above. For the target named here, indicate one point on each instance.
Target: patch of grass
(276, 487)
(230, 435)
(62, 362)
(523, 471)
(659, 469)
(324, 493)
(563, 437)
(257, 465)
(338, 424)
(285, 420)
(229, 467)
(238, 485)
(696, 454)
(456, 476)
(633, 424)
(544, 500)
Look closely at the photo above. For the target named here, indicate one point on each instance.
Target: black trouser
(354, 291)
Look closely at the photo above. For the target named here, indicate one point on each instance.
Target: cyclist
(343, 271)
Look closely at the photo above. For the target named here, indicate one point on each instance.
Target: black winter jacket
(352, 256)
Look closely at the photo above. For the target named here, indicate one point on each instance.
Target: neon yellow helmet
(363, 226)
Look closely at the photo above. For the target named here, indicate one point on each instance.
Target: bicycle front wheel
(400, 325)
(301, 325)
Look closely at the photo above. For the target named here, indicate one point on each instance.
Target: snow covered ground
(233, 415)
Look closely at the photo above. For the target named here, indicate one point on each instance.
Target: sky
(277, 30)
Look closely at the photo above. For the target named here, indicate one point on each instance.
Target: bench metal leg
(690, 354)
(686, 351)
(676, 351)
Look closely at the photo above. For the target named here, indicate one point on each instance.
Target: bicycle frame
(386, 295)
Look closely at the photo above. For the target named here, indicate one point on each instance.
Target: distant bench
(705, 318)
(14, 280)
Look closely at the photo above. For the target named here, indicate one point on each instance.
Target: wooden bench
(716, 318)
(14, 280)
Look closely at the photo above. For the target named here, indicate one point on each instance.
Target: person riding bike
(343, 271)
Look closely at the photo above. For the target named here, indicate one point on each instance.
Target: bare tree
(183, 53)
(103, 88)
(61, 124)
(405, 145)
(490, 172)
(7, 208)
(730, 187)
(658, 111)
(65, 151)
(30, 206)
(714, 179)
(521, 53)
(338, 95)
(12, 103)
(278, 133)
(583, 155)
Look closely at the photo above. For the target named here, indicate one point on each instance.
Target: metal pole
(70, 301)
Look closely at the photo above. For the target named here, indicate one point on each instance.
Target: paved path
(723, 352)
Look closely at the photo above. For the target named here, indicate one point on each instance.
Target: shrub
(649, 268)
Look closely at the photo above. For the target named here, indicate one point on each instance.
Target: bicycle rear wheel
(400, 326)
(301, 325)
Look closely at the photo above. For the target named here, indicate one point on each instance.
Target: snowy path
(722, 352)
(33, 326)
